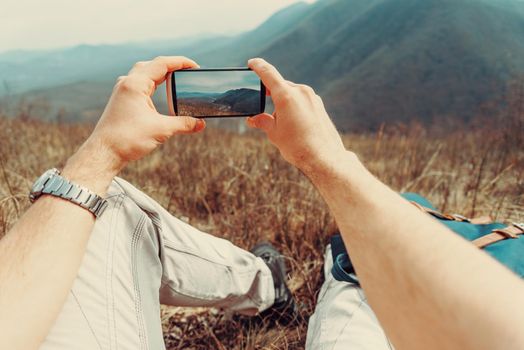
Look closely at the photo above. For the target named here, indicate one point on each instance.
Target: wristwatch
(55, 185)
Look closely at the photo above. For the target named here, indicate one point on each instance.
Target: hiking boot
(283, 309)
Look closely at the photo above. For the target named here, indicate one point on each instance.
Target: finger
(269, 75)
(304, 88)
(264, 121)
(135, 83)
(181, 125)
(137, 66)
(157, 69)
(250, 123)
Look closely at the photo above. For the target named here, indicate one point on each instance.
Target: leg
(199, 269)
(138, 256)
(343, 318)
(202, 270)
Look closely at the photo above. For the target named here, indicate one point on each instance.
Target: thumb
(264, 121)
(183, 124)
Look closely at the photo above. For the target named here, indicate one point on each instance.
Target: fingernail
(200, 125)
(253, 61)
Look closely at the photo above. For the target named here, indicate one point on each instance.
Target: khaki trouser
(343, 319)
(140, 256)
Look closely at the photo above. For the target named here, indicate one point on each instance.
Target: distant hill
(23, 70)
(236, 51)
(240, 100)
(197, 94)
(372, 61)
(396, 60)
(71, 102)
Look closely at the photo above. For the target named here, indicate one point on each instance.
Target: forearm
(40, 256)
(428, 287)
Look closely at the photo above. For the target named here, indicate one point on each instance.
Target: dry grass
(238, 187)
(203, 107)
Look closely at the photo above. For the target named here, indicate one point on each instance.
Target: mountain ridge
(406, 59)
(372, 61)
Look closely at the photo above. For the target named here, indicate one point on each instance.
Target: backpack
(503, 242)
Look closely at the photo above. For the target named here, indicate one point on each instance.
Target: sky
(216, 82)
(44, 24)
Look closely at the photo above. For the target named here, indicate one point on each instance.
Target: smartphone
(215, 93)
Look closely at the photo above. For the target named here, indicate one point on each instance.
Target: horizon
(211, 82)
(347, 53)
(41, 27)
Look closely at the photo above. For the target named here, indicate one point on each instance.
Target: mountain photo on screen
(217, 93)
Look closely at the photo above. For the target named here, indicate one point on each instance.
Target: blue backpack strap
(507, 251)
(417, 198)
(512, 231)
(342, 269)
(504, 243)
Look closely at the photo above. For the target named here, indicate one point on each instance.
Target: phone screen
(208, 93)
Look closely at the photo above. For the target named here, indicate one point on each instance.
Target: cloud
(215, 81)
(57, 23)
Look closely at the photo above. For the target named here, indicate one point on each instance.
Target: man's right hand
(300, 126)
(130, 127)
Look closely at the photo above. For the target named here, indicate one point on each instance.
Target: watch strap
(60, 187)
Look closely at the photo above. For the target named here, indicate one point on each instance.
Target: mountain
(237, 51)
(84, 100)
(23, 70)
(26, 70)
(372, 61)
(380, 61)
(240, 100)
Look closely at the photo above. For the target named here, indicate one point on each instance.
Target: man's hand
(41, 254)
(130, 126)
(300, 126)
(427, 286)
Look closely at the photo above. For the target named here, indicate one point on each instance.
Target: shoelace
(280, 292)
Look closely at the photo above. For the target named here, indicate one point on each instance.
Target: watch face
(39, 184)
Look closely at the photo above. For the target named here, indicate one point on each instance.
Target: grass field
(202, 107)
(238, 187)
